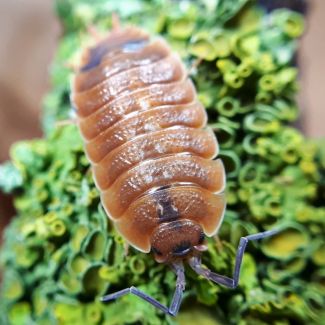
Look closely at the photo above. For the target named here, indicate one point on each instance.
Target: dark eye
(182, 249)
(201, 238)
(156, 251)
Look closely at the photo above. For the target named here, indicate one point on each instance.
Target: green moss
(60, 253)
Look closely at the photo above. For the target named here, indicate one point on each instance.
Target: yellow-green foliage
(60, 252)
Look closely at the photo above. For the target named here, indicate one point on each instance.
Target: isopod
(152, 156)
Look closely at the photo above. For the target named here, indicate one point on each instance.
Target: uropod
(151, 154)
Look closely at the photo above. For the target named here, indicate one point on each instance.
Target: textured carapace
(145, 136)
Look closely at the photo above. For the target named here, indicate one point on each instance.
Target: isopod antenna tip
(173, 309)
(116, 22)
(93, 31)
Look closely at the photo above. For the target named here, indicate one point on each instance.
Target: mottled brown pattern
(143, 129)
(158, 172)
(111, 65)
(153, 145)
(143, 99)
(191, 202)
(144, 123)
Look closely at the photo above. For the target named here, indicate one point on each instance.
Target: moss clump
(60, 253)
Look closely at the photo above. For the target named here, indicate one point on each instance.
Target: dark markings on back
(98, 52)
(96, 55)
(165, 208)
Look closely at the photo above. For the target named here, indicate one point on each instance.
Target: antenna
(172, 310)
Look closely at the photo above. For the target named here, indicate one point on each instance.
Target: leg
(193, 68)
(218, 242)
(61, 123)
(92, 30)
(116, 24)
(176, 301)
(70, 66)
(126, 247)
(195, 262)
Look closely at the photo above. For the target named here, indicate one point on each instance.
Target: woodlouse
(152, 157)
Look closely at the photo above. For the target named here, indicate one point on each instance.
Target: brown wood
(152, 160)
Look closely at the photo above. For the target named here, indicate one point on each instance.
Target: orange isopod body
(146, 138)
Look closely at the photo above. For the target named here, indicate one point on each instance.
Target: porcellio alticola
(151, 154)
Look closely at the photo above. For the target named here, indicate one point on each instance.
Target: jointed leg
(126, 247)
(195, 262)
(93, 31)
(116, 24)
(193, 68)
(176, 301)
(70, 121)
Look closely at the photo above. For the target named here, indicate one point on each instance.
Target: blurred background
(29, 32)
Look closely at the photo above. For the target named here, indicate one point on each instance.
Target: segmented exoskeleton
(152, 156)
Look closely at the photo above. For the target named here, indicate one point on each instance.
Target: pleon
(126, 59)
(165, 71)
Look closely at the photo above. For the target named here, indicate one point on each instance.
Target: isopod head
(176, 240)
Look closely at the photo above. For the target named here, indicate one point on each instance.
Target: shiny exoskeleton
(152, 156)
